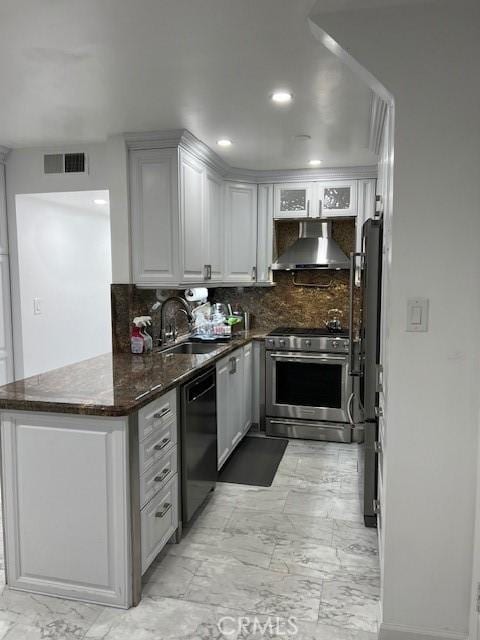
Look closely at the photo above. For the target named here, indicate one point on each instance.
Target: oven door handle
(318, 357)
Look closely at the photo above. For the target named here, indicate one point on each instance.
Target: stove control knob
(308, 343)
(335, 344)
(282, 343)
(270, 342)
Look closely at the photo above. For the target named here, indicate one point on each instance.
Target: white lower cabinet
(158, 465)
(159, 522)
(66, 506)
(234, 400)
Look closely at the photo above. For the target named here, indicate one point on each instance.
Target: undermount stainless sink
(190, 348)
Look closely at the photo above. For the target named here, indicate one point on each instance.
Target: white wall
(427, 55)
(64, 261)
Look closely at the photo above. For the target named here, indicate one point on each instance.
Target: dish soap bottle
(147, 338)
(137, 341)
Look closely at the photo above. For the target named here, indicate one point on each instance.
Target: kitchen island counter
(112, 384)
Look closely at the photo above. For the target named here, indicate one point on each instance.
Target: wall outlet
(37, 306)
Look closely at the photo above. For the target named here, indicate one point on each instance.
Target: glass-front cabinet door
(293, 200)
(336, 199)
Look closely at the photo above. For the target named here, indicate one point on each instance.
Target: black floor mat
(255, 461)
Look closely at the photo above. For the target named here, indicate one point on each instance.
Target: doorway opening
(63, 281)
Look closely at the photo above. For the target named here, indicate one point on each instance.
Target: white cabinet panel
(234, 400)
(237, 398)
(6, 349)
(247, 387)
(336, 199)
(240, 232)
(3, 212)
(224, 415)
(193, 227)
(66, 505)
(265, 233)
(293, 199)
(154, 215)
(159, 522)
(215, 226)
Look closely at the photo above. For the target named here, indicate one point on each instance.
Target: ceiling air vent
(64, 163)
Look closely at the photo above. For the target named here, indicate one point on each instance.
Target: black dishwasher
(199, 441)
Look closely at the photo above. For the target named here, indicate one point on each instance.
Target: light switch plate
(417, 314)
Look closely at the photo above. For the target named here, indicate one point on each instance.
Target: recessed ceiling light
(100, 201)
(282, 97)
(314, 163)
(224, 142)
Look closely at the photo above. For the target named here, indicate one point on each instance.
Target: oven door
(308, 386)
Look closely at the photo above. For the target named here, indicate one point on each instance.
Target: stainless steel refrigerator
(368, 359)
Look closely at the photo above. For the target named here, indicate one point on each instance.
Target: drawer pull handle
(159, 447)
(166, 508)
(164, 473)
(161, 413)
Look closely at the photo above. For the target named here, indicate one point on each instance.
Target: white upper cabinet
(336, 199)
(154, 216)
(193, 223)
(265, 233)
(293, 200)
(319, 199)
(240, 232)
(215, 226)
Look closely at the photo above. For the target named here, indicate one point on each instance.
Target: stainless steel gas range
(308, 384)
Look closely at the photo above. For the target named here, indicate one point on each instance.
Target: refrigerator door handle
(351, 350)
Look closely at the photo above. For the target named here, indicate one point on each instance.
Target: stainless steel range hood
(314, 249)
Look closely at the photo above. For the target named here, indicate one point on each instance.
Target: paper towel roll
(197, 294)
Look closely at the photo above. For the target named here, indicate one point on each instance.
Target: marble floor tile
(259, 499)
(213, 516)
(161, 618)
(347, 605)
(318, 631)
(170, 577)
(256, 590)
(355, 538)
(281, 526)
(248, 548)
(306, 503)
(306, 556)
(29, 616)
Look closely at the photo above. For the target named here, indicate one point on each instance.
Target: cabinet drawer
(159, 520)
(156, 414)
(155, 478)
(157, 444)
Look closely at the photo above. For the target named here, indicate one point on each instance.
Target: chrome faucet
(169, 334)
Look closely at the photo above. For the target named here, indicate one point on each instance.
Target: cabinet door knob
(254, 273)
(319, 208)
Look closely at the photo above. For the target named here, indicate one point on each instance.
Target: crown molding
(302, 175)
(184, 139)
(4, 151)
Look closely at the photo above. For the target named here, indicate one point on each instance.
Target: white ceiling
(78, 71)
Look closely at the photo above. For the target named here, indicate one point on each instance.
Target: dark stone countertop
(111, 385)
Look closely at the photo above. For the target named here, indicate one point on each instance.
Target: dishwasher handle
(200, 386)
